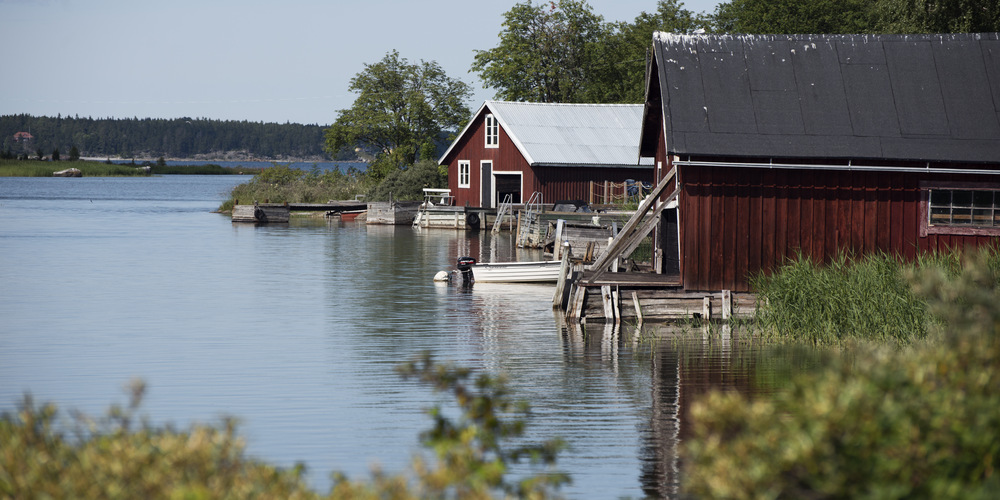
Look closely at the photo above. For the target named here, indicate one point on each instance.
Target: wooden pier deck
(635, 297)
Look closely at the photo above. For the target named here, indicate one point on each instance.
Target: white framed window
(464, 176)
(960, 208)
(492, 132)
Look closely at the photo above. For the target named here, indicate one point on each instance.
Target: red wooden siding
(735, 222)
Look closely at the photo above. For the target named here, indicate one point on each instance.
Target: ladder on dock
(528, 225)
(505, 209)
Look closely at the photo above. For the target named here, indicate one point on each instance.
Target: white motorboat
(517, 272)
(504, 272)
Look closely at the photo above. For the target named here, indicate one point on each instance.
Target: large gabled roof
(549, 134)
(894, 97)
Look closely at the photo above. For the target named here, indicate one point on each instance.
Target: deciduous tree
(618, 74)
(792, 16)
(400, 106)
(545, 53)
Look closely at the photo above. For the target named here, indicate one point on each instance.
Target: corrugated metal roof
(549, 134)
(900, 97)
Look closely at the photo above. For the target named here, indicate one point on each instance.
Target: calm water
(296, 329)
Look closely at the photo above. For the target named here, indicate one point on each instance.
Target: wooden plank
(832, 230)
(743, 220)
(755, 235)
(731, 226)
(767, 219)
(781, 250)
(703, 278)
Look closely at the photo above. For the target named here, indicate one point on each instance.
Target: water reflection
(684, 363)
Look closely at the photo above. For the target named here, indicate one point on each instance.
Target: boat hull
(517, 272)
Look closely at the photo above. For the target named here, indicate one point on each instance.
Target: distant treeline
(151, 137)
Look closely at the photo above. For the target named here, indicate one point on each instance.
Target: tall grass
(866, 299)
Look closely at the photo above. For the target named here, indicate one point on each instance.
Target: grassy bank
(283, 184)
(845, 300)
(35, 168)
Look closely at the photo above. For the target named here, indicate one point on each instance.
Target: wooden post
(706, 308)
(609, 307)
(727, 304)
(559, 299)
(638, 310)
(578, 302)
(558, 240)
(615, 301)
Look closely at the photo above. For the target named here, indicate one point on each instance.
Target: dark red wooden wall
(735, 222)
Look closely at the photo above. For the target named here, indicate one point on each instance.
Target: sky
(261, 61)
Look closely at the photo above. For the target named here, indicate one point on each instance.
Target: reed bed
(34, 168)
(850, 299)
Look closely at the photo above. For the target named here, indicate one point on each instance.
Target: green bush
(918, 422)
(409, 184)
(120, 456)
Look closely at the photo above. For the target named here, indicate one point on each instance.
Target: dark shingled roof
(895, 97)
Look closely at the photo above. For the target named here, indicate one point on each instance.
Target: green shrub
(919, 422)
(119, 456)
(409, 184)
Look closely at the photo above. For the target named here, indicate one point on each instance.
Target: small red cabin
(558, 150)
(820, 145)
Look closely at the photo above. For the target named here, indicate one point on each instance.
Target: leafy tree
(792, 16)
(399, 107)
(74, 154)
(936, 16)
(546, 52)
(618, 74)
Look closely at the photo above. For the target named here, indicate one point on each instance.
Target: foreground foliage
(122, 456)
(920, 422)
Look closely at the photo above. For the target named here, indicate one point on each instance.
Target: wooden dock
(261, 213)
(635, 297)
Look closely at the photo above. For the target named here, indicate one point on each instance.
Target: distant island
(179, 138)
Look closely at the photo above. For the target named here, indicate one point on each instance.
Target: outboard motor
(465, 267)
